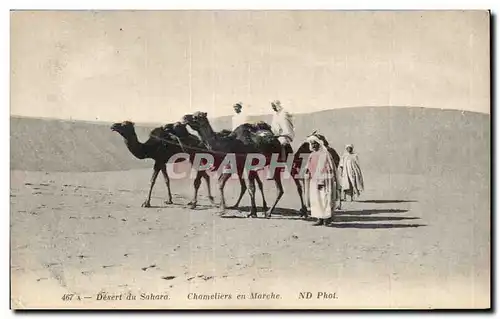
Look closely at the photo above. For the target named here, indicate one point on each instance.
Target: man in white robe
(240, 117)
(323, 183)
(282, 127)
(350, 171)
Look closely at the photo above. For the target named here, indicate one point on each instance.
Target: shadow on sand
(373, 226)
(290, 213)
(342, 219)
(238, 217)
(363, 212)
(386, 201)
(350, 219)
(277, 210)
(183, 205)
(295, 212)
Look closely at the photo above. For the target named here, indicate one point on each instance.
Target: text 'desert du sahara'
(193, 296)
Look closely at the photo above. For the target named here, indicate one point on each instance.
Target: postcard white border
(7, 5)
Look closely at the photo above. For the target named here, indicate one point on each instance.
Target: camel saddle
(251, 132)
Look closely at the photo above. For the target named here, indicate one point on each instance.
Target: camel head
(171, 131)
(125, 129)
(196, 121)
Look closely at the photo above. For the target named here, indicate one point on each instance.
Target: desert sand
(419, 237)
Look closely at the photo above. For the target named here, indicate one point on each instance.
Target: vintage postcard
(250, 160)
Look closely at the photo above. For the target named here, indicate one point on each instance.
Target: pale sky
(155, 66)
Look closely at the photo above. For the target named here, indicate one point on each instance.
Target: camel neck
(134, 146)
(207, 135)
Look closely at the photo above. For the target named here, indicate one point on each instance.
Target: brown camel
(218, 158)
(298, 161)
(244, 140)
(161, 146)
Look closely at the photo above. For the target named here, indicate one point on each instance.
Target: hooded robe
(323, 183)
(282, 125)
(352, 177)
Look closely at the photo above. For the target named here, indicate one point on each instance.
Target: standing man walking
(350, 173)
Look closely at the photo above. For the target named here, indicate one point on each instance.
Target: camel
(298, 161)
(244, 140)
(223, 138)
(162, 144)
(180, 132)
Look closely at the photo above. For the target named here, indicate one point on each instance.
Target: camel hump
(156, 132)
(259, 129)
(262, 126)
(176, 129)
(264, 133)
(254, 127)
(225, 132)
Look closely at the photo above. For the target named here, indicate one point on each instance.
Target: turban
(277, 104)
(314, 138)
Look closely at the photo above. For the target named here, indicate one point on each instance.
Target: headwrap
(324, 156)
(314, 138)
(277, 104)
(349, 145)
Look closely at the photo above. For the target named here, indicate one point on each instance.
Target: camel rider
(282, 127)
(240, 117)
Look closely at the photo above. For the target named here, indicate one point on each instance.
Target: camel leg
(222, 182)
(279, 188)
(243, 189)
(196, 183)
(156, 171)
(167, 182)
(207, 180)
(251, 190)
(300, 190)
(261, 188)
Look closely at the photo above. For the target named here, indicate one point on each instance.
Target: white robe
(239, 119)
(352, 177)
(282, 125)
(322, 171)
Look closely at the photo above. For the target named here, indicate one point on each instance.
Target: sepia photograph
(250, 159)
